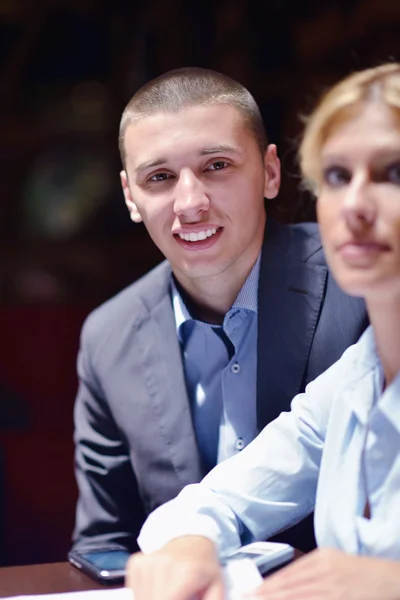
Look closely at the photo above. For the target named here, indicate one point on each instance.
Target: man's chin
(199, 272)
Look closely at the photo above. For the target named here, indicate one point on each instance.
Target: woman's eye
(217, 165)
(393, 173)
(336, 176)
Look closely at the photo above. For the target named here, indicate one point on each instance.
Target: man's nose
(359, 208)
(190, 196)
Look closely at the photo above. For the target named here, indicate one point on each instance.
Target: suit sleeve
(109, 509)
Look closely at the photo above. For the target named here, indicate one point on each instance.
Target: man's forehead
(203, 129)
(186, 116)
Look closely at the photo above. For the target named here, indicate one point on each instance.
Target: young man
(183, 368)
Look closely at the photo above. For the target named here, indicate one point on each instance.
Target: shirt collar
(181, 312)
(365, 381)
(247, 297)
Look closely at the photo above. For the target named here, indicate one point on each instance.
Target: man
(183, 368)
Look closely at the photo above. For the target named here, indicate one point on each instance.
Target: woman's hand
(328, 574)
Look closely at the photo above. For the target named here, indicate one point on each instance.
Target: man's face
(197, 180)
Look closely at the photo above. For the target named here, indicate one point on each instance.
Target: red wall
(38, 348)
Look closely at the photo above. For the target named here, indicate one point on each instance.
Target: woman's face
(358, 204)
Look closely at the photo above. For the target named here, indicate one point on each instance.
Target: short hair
(192, 86)
(379, 84)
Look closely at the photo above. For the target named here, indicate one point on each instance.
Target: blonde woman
(338, 450)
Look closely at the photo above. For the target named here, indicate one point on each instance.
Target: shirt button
(376, 455)
(235, 368)
(239, 444)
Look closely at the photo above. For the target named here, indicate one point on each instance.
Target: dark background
(67, 69)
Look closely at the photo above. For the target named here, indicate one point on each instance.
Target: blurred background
(67, 69)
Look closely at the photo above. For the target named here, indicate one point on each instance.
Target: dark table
(45, 579)
(52, 578)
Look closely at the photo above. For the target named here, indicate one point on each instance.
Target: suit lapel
(161, 368)
(290, 296)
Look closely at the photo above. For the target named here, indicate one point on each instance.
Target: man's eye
(160, 177)
(336, 176)
(217, 165)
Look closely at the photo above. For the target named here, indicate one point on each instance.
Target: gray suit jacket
(135, 443)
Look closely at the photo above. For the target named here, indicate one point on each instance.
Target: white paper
(106, 594)
(240, 576)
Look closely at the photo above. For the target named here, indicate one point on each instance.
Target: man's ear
(272, 166)
(131, 206)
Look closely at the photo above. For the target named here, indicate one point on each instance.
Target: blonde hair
(380, 84)
(192, 86)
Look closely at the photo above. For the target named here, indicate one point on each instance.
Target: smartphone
(106, 565)
(267, 556)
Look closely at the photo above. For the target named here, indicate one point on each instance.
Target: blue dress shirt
(338, 449)
(220, 364)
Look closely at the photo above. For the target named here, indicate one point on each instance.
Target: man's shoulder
(306, 230)
(132, 302)
(300, 239)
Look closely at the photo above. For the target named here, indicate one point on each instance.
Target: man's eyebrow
(156, 162)
(149, 164)
(219, 148)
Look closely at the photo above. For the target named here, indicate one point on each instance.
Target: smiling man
(183, 368)
(187, 175)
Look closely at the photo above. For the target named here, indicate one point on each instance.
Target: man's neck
(208, 299)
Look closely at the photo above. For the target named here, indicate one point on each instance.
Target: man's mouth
(197, 236)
